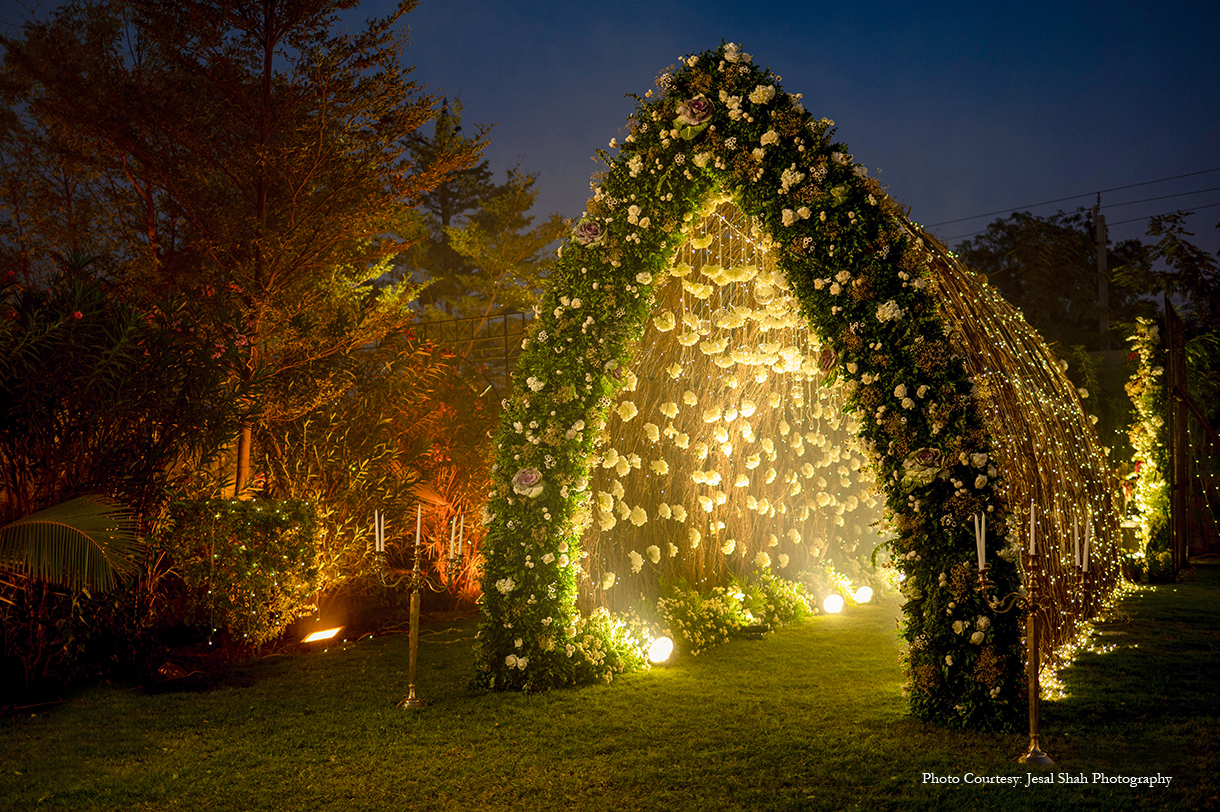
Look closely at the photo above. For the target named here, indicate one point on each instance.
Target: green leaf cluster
(248, 567)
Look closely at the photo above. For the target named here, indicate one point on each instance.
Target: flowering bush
(722, 128)
(775, 601)
(699, 621)
(1149, 440)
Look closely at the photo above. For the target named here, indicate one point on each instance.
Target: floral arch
(736, 269)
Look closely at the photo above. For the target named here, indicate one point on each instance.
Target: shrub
(248, 567)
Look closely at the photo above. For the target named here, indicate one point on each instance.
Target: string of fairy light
(791, 508)
(1048, 453)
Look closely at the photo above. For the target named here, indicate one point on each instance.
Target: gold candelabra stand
(416, 580)
(1030, 602)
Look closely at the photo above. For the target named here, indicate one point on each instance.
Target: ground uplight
(660, 650)
(833, 603)
(324, 634)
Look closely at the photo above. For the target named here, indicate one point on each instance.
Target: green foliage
(87, 543)
(1160, 566)
(1149, 437)
(1188, 273)
(250, 153)
(776, 601)
(402, 420)
(99, 396)
(1047, 266)
(700, 621)
(249, 567)
(508, 258)
(456, 199)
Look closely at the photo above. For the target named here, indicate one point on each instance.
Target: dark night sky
(960, 108)
(965, 108)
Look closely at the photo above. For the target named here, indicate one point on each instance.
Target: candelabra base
(411, 701)
(1035, 756)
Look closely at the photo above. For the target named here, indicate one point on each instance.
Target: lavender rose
(588, 232)
(693, 116)
(528, 482)
(826, 360)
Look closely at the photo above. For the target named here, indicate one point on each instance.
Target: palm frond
(85, 542)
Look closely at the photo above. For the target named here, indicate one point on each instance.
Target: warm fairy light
(660, 650)
(1051, 454)
(727, 439)
(325, 634)
(833, 604)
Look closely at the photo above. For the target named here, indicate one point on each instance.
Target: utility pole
(1103, 291)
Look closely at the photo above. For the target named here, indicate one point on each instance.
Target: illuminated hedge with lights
(889, 315)
(250, 567)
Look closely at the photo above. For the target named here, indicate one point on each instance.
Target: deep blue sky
(964, 108)
(960, 108)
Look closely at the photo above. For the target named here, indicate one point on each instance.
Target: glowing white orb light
(833, 604)
(863, 595)
(660, 650)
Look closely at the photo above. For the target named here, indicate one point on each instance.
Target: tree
(98, 396)
(1047, 267)
(1177, 268)
(446, 205)
(508, 258)
(251, 156)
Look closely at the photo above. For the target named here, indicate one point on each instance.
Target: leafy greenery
(1047, 266)
(246, 157)
(1149, 438)
(404, 422)
(98, 395)
(250, 568)
(86, 543)
(698, 620)
(807, 718)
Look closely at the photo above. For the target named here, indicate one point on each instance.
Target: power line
(1162, 214)
(948, 240)
(1162, 197)
(1072, 197)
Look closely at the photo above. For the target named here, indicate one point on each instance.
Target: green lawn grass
(808, 718)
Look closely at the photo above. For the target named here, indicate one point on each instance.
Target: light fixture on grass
(321, 635)
(833, 603)
(660, 650)
(863, 595)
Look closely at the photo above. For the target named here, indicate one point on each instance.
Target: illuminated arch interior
(727, 448)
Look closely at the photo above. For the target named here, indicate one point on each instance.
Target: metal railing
(487, 347)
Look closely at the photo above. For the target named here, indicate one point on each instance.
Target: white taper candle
(1033, 548)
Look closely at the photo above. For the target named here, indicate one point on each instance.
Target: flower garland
(857, 267)
(1148, 437)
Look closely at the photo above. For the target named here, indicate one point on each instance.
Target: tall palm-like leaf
(85, 542)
